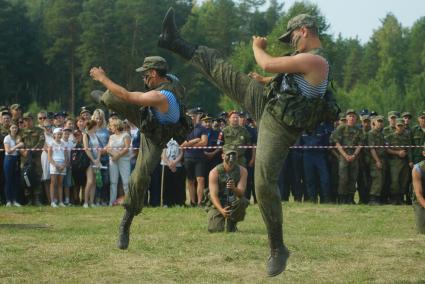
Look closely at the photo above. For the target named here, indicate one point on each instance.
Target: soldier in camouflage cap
(302, 20)
(227, 185)
(153, 62)
(16, 111)
(237, 135)
(159, 114)
(364, 179)
(282, 109)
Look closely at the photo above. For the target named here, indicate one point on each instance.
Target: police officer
(227, 185)
(33, 139)
(418, 179)
(400, 159)
(237, 135)
(160, 116)
(282, 108)
(316, 170)
(378, 159)
(418, 137)
(348, 163)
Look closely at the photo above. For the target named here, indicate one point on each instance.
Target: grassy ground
(328, 244)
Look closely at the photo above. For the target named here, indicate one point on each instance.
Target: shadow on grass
(25, 226)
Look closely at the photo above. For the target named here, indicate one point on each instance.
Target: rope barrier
(241, 147)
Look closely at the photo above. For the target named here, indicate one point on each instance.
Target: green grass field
(328, 244)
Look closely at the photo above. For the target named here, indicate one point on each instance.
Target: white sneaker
(9, 204)
(16, 204)
(85, 205)
(61, 204)
(53, 205)
(93, 205)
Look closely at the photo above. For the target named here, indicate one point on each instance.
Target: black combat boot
(279, 254)
(124, 235)
(170, 38)
(231, 226)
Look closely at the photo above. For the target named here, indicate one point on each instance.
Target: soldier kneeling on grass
(226, 204)
(418, 180)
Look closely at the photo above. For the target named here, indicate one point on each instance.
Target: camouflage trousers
(348, 172)
(35, 173)
(274, 137)
(419, 217)
(216, 221)
(378, 177)
(147, 160)
(400, 176)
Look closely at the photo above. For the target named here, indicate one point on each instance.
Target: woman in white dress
(45, 178)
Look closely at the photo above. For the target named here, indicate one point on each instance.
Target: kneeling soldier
(227, 184)
(418, 177)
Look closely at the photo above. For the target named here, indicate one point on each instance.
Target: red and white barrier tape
(242, 147)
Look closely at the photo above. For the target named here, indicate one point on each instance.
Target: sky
(359, 18)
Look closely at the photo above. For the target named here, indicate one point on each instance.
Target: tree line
(48, 46)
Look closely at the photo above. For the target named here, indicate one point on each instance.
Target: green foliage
(48, 46)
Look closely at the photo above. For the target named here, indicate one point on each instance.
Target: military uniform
(399, 167)
(376, 138)
(239, 136)
(348, 171)
(418, 137)
(237, 205)
(33, 138)
(282, 113)
(364, 178)
(418, 209)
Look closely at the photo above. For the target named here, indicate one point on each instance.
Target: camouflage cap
(153, 62)
(342, 116)
(229, 148)
(421, 114)
(406, 113)
(301, 20)
(15, 106)
(365, 117)
(350, 110)
(399, 121)
(27, 115)
(378, 117)
(6, 112)
(393, 113)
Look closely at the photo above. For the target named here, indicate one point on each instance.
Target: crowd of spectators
(110, 147)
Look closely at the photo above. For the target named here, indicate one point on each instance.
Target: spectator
(12, 143)
(78, 175)
(102, 133)
(80, 123)
(119, 161)
(174, 192)
(58, 159)
(16, 111)
(85, 113)
(91, 146)
(67, 180)
(45, 177)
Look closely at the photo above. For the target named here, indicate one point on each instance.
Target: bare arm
(239, 190)
(122, 152)
(152, 98)
(417, 187)
(213, 187)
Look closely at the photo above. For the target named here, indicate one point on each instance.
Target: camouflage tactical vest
(226, 197)
(295, 110)
(162, 133)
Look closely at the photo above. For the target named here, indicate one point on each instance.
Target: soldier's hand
(230, 185)
(97, 73)
(260, 42)
(226, 212)
(411, 165)
(402, 153)
(257, 77)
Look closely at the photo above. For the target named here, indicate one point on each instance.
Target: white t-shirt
(58, 151)
(12, 143)
(117, 141)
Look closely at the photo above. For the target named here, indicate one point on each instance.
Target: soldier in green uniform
(160, 116)
(16, 111)
(392, 116)
(418, 179)
(33, 138)
(364, 179)
(378, 160)
(227, 185)
(282, 107)
(407, 118)
(399, 161)
(348, 163)
(237, 135)
(418, 137)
